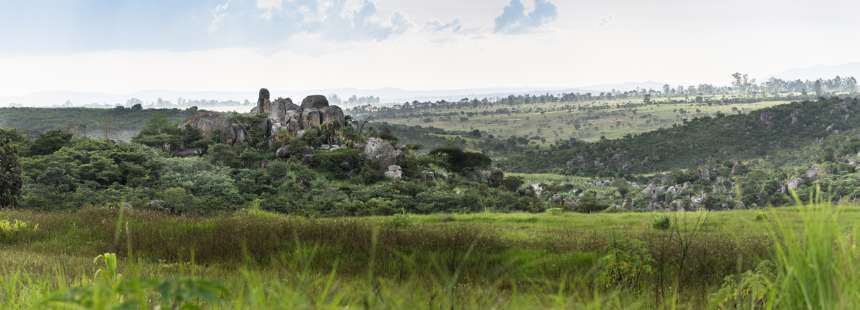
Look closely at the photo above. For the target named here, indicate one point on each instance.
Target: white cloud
(266, 23)
(218, 15)
(269, 7)
(516, 19)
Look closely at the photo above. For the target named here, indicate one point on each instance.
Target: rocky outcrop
(381, 152)
(214, 123)
(281, 114)
(264, 104)
(314, 112)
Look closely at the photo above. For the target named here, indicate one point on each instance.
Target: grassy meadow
(748, 259)
(559, 121)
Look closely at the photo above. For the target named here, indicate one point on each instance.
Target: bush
(460, 161)
(662, 223)
(10, 174)
(628, 265)
(341, 163)
(50, 142)
(555, 211)
(201, 179)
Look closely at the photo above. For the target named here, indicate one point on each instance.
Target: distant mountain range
(823, 71)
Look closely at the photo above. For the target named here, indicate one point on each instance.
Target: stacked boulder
(315, 112)
(282, 113)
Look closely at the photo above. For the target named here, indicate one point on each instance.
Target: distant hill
(119, 124)
(817, 72)
(732, 137)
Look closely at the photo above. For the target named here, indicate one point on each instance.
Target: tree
(50, 142)
(159, 133)
(460, 161)
(10, 173)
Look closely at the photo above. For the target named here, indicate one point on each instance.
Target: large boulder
(333, 115)
(381, 152)
(212, 123)
(264, 104)
(314, 102)
(394, 172)
(280, 108)
(312, 118)
(293, 121)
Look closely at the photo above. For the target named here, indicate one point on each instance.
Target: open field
(254, 260)
(587, 121)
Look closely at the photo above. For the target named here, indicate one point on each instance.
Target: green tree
(461, 161)
(10, 173)
(159, 133)
(50, 142)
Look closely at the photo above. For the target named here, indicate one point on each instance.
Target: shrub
(627, 265)
(50, 142)
(555, 211)
(662, 223)
(461, 161)
(12, 230)
(10, 174)
(341, 163)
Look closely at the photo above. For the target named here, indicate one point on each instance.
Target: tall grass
(259, 261)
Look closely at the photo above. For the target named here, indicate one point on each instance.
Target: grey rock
(283, 152)
(381, 152)
(264, 105)
(333, 115)
(314, 102)
(394, 172)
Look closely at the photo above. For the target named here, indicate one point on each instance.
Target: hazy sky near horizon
(123, 46)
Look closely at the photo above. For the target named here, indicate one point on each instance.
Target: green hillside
(120, 124)
(724, 137)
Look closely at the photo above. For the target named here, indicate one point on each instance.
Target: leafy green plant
(662, 223)
(11, 230)
(627, 264)
(110, 289)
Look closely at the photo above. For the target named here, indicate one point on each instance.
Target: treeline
(743, 89)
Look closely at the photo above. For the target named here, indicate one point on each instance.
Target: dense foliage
(10, 169)
(158, 172)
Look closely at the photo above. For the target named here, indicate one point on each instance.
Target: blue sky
(129, 45)
(42, 26)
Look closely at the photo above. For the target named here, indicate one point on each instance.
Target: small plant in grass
(627, 265)
(110, 289)
(555, 211)
(401, 220)
(662, 223)
(11, 230)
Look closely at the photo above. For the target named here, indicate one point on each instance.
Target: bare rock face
(333, 115)
(211, 123)
(394, 172)
(264, 104)
(314, 102)
(381, 152)
(312, 118)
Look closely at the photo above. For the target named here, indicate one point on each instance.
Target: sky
(122, 46)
